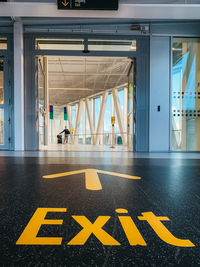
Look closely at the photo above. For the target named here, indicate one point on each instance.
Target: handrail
(108, 138)
(97, 134)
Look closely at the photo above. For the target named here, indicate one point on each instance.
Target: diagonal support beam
(101, 116)
(119, 115)
(78, 117)
(69, 109)
(126, 113)
(90, 120)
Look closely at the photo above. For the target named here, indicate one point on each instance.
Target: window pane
(59, 44)
(111, 45)
(186, 94)
(1, 83)
(3, 43)
(1, 126)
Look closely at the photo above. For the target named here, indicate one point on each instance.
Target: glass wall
(186, 94)
(87, 127)
(111, 45)
(108, 134)
(59, 44)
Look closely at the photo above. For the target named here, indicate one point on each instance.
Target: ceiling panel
(89, 74)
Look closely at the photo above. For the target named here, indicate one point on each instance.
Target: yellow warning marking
(92, 181)
(120, 175)
(121, 211)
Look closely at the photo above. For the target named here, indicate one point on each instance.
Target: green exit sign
(88, 4)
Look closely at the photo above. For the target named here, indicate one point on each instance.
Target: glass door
(132, 106)
(4, 106)
(185, 97)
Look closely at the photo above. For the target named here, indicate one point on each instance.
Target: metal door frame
(142, 93)
(6, 56)
(38, 65)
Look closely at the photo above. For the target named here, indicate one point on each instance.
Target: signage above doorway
(88, 4)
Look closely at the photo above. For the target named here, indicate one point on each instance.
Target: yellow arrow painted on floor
(92, 181)
(65, 3)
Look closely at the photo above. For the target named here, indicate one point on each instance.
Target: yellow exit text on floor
(30, 233)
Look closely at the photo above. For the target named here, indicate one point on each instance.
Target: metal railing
(106, 139)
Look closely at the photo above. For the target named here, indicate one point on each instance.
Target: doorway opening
(92, 97)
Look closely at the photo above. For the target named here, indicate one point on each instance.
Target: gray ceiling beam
(126, 11)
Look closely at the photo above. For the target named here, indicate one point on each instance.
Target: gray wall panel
(30, 131)
(159, 93)
(176, 28)
(142, 95)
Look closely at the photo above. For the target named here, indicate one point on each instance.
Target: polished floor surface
(85, 148)
(83, 208)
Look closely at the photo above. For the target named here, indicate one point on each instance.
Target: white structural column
(101, 116)
(102, 128)
(112, 141)
(69, 116)
(93, 112)
(78, 117)
(125, 109)
(84, 124)
(90, 119)
(18, 86)
(119, 115)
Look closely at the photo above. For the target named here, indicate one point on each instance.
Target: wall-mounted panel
(159, 93)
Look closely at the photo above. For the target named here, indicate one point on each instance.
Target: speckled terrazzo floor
(169, 187)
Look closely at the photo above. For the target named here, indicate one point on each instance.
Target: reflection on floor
(103, 155)
(69, 147)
